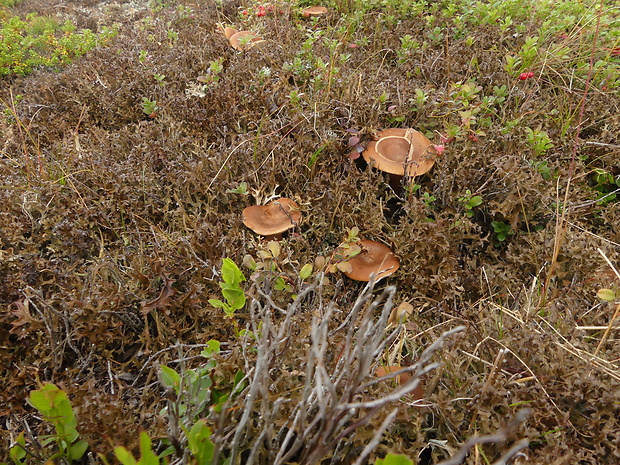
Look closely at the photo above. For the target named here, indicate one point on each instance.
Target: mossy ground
(114, 222)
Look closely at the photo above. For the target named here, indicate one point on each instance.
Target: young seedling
(147, 456)
(149, 107)
(502, 230)
(55, 408)
(469, 202)
(232, 291)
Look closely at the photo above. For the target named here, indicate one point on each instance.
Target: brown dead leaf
(161, 301)
(400, 313)
(25, 323)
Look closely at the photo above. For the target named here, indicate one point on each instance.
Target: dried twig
(329, 406)
(501, 435)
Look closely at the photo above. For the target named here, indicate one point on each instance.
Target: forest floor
(123, 180)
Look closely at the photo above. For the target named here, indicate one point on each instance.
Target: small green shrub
(231, 289)
(147, 456)
(37, 41)
(469, 202)
(502, 231)
(54, 406)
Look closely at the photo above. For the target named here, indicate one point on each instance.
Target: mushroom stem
(396, 183)
(272, 237)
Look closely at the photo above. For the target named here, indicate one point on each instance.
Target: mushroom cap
(229, 32)
(396, 148)
(238, 40)
(314, 11)
(387, 369)
(374, 258)
(418, 392)
(274, 218)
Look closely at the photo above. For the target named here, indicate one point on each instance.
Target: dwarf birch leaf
(606, 294)
(305, 271)
(231, 274)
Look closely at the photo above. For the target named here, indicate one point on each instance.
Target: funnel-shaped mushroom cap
(314, 11)
(400, 148)
(229, 32)
(244, 40)
(374, 258)
(274, 218)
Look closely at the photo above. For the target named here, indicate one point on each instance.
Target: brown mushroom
(229, 32)
(418, 392)
(314, 11)
(374, 259)
(273, 219)
(244, 40)
(401, 152)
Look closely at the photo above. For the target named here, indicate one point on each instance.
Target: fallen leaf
(162, 300)
(25, 323)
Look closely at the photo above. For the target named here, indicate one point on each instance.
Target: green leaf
(124, 456)
(352, 251)
(242, 189)
(305, 271)
(170, 378)
(218, 399)
(17, 452)
(77, 450)
(238, 379)
(213, 347)
(279, 284)
(217, 303)
(46, 398)
(235, 298)
(55, 407)
(249, 262)
(147, 456)
(393, 459)
(199, 442)
(353, 232)
(231, 274)
(474, 201)
(606, 294)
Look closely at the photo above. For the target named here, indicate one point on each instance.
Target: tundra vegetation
(143, 322)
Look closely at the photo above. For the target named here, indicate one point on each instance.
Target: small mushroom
(418, 392)
(273, 219)
(375, 258)
(314, 11)
(244, 40)
(401, 152)
(229, 32)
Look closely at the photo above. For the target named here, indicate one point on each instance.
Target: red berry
(523, 76)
